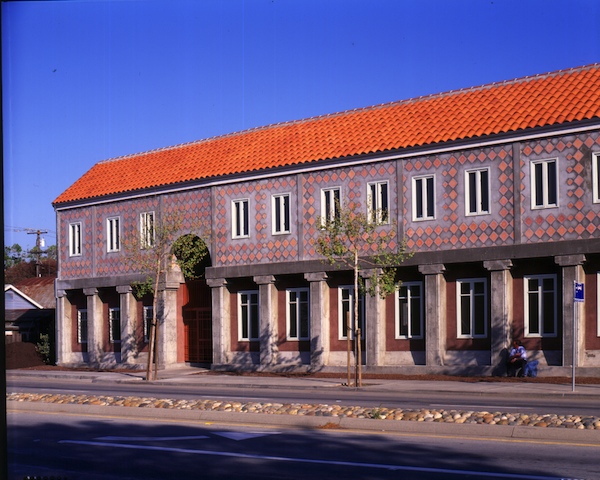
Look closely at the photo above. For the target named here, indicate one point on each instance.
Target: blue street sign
(578, 292)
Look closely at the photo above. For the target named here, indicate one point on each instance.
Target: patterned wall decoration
(577, 217)
(262, 246)
(81, 265)
(452, 228)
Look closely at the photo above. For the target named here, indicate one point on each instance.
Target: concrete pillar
(267, 299)
(221, 320)
(64, 328)
(96, 326)
(167, 314)
(435, 314)
(501, 297)
(374, 323)
(572, 271)
(319, 319)
(128, 307)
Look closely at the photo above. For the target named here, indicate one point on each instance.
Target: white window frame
(147, 321)
(596, 176)
(427, 210)
(113, 234)
(410, 286)
(331, 199)
(378, 202)
(598, 304)
(82, 317)
(297, 306)
(75, 239)
(540, 301)
(480, 194)
(147, 229)
(281, 212)
(240, 218)
(249, 320)
(114, 315)
(472, 313)
(544, 183)
(342, 334)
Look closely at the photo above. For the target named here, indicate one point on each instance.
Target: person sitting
(516, 360)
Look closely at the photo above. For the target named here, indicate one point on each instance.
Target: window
(596, 176)
(248, 315)
(281, 213)
(540, 306)
(114, 325)
(113, 234)
(75, 239)
(377, 201)
(148, 313)
(330, 204)
(240, 219)
(423, 198)
(146, 229)
(297, 314)
(346, 309)
(82, 326)
(477, 191)
(544, 184)
(471, 308)
(409, 310)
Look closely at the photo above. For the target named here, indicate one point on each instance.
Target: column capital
(60, 292)
(124, 289)
(497, 265)
(90, 291)
(264, 279)
(433, 269)
(216, 282)
(315, 276)
(569, 260)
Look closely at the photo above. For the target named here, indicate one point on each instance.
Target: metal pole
(575, 311)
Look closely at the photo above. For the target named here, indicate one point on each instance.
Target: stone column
(374, 323)
(572, 271)
(435, 314)
(128, 306)
(501, 312)
(221, 320)
(167, 316)
(96, 326)
(267, 298)
(64, 329)
(319, 319)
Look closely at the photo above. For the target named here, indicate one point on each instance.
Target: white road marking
(242, 435)
(150, 439)
(314, 461)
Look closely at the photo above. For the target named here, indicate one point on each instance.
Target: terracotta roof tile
(543, 100)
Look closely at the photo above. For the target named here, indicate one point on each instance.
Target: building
(496, 190)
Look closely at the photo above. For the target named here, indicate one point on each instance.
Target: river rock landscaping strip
(321, 410)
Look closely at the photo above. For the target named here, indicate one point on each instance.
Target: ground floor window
(82, 326)
(409, 310)
(346, 312)
(114, 325)
(540, 306)
(248, 316)
(297, 314)
(148, 313)
(471, 308)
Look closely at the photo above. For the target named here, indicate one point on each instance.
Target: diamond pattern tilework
(79, 266)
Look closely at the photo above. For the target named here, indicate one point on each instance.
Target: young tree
(154, 249)
(357, 240)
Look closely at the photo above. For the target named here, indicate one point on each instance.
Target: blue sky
(85, 80)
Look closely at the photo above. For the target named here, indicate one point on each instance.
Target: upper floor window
(75, 239)
(248, 315)
(114, 325)
(409, 310)
(346, 313)
(330, 204)
(240, 216)
(378, 202)
(297, 314)
(113, 234)
(477, 191)
(82, 326)
(540, 306)
(423, 194)
(471, 308)
(596, 176)
(281, 213)
(147, 229)
(544, 183)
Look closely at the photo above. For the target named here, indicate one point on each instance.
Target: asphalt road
(579, 405)
(89, 447)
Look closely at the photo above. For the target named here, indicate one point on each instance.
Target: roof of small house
(512, 106)
(40, 290)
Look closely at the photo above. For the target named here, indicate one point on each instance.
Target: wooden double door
(197, 321)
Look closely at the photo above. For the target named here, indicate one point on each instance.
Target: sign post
(578, 297)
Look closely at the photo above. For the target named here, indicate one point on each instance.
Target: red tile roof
(511, 106)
